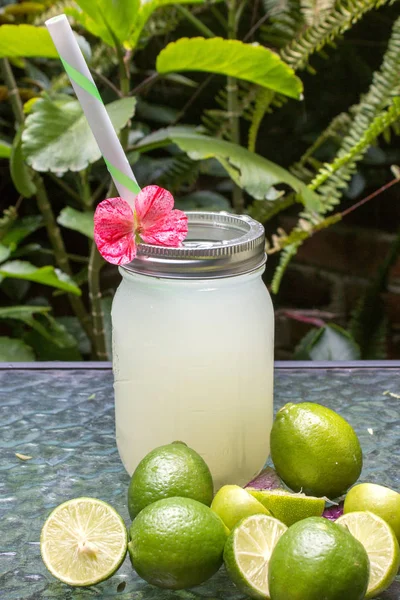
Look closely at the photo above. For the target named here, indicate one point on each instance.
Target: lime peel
(289, 507)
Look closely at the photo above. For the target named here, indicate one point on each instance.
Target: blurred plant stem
(199, 25)
(95, 265)
(45, 208)
(233, 103)
(96, 262)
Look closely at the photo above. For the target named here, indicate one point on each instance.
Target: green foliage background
(257, 106)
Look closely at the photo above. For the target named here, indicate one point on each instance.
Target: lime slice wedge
(247, 553)
(287, 507)
(232, 503)
(381, 545)
(83, 541)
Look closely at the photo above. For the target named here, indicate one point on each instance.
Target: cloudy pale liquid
(193, 361)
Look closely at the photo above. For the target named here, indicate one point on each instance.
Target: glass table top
(64, 419)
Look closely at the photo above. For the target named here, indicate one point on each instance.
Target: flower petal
(168, 231)
(114, 231)
(151, 204)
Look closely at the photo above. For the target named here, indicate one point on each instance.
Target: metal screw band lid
(217, 245)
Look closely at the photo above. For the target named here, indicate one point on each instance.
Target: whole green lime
(378, 499)
(176, 543)
(318, 559)
(168, 471)
(315, 450)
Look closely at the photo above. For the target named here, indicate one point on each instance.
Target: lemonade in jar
(193, 334)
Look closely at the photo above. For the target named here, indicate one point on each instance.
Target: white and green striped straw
(93, 107)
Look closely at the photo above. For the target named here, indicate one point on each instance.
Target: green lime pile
(273, 540)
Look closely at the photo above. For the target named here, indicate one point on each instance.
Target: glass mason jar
(193, 338)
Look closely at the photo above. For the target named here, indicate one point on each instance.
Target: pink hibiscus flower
(118, 229)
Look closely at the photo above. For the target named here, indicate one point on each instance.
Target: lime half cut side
(84, 541)
(247, 553)
(381, 545)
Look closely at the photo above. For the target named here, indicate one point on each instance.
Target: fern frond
(369, 122)
(263, 100)
(313, 10)
(286, 21)
(289, 244)
(331, 25)
(216, 122)
(302, 43)
(264, 210)
(357, 151)
(310, 223)
(336, 130)
(287, 254)
(182, 171)
(339, 173)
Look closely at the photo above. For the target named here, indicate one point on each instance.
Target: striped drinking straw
(93, 107)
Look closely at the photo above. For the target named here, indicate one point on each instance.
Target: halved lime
(381, 545)
(247, 553)
(83, 541)
(288, 507)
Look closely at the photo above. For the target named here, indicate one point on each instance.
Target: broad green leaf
(77, 220)
(203, 200)
(119, 21)
(13, 350)
(89, 24)
(250, 171)
(116, 16)
(52, 333)
(57, 136)
(52, 341)
(80, 279)
(21, 228)
(15, 289)
(4, 253)
(22, 178)
(19, 269)
(328, 343)
(22, 313)
(232, 58)
(73, 326)
(5, 149)
(26, 40)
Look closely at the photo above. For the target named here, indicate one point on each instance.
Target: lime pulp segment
(248, 551)
(83, 541)
(381, 545)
